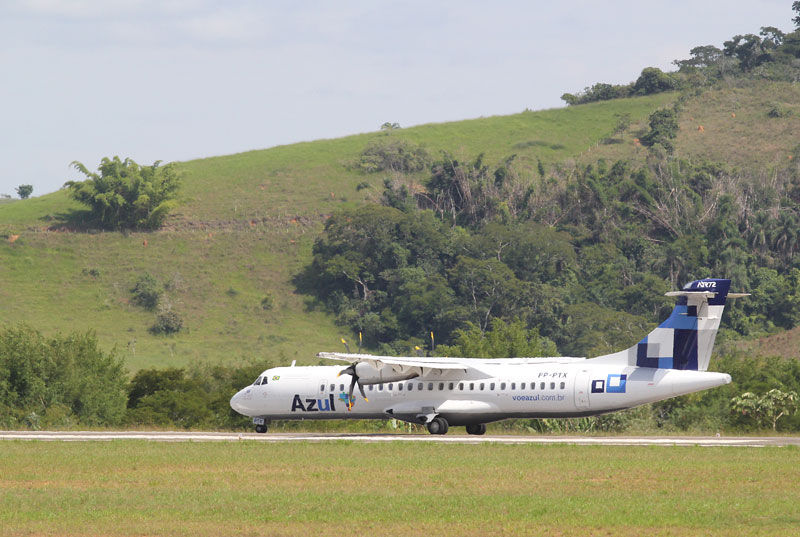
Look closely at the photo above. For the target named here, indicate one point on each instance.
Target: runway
(107, 436)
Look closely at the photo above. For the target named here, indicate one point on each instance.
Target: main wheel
(434, 426)
(438, 426)
(476, 428)
(261, 428)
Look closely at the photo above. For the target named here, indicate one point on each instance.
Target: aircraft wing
(400, 364)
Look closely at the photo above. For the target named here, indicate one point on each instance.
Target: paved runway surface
(351, 437)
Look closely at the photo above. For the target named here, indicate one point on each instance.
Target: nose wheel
(438, 426)
(261, 428)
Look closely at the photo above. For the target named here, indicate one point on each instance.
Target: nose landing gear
(261, 428)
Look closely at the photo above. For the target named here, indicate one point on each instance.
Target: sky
(175, 80)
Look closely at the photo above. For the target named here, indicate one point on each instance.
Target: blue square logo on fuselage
(616, 383)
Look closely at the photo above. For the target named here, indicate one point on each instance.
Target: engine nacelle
(371, 375)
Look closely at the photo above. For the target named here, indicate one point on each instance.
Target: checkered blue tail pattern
(685, 340)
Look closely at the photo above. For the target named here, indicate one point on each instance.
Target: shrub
(778, 110)
(58, 381)
(167, 322)
(146, 292)
(267, 303)
(393, 154)
(125, 195)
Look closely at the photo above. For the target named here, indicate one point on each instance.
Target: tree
(796, 9)
(504, 340)
(24, 191)
(125, 195)
(748, 49)
(653, 80)
(663, 129)
(701, 57)
(766, 409)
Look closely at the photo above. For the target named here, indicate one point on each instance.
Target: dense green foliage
(58, 381)
(198, 398)
(576, 254)
(24, 191)
(390, 153)
(146, 292)
(125, 195)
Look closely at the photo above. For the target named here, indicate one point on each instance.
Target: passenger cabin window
(371, 386)
(380, 387)
(552, 385)
(491, 386)
(321, 388)
(399, 386)
(450, 386)
(410, 386)
(522, 386)
(430, 386)
(420, 386)
(441, 386)
(502, 385)
(333, 387)
(513, 385)
(341, 387)
(482, 385)
(562, 385)
(461, 386)
(541, 385)
(390, 386)
(471, 386)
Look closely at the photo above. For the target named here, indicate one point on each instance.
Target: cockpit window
(258, 381)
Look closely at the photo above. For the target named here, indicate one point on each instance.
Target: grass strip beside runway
(335, 488)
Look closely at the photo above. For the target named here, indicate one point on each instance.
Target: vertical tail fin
(685, 340)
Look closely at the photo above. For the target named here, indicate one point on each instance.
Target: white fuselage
(493, 390)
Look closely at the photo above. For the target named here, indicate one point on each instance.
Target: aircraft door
(582, 389)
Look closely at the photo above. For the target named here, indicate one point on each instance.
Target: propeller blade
(350, 393)
(361, 389)
(346, 346)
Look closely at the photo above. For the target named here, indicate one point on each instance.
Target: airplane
(438, 392)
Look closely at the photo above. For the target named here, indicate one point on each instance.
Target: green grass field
(335, 488)
(246, 223)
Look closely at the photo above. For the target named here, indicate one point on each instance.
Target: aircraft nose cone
(237, 403)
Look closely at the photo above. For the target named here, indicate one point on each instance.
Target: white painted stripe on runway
(99, 436)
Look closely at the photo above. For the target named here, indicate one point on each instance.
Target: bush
(198, 398)
(778, 110)
(146, 292)
(653, 80)
(167, 322)
(267, 303)
(58, 381)
(393, 154)
(125, 195)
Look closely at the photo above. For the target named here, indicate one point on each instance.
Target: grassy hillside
(245, 225)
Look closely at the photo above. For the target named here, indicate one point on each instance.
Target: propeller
(351, 370)
(346, 346)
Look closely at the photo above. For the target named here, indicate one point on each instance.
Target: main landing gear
(476, 428)
(438, 426)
